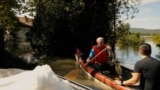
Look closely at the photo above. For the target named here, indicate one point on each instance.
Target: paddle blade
(118, 68)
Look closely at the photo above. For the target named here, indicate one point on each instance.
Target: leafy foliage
(8, 28)
(14, 61)
(60, 26)
(156, 39)
(125, 37)
(9, 24)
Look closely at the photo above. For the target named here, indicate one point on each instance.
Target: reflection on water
(69, 69)
(128, 55)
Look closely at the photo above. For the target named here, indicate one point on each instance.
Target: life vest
(103, 57)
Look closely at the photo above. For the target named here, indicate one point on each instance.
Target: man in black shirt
(147, 70)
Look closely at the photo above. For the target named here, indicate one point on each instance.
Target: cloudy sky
(148, 16)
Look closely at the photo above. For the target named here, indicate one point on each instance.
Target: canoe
(74, 85)
(105, 79)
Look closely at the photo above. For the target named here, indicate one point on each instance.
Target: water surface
(129, 55)
(70, 70)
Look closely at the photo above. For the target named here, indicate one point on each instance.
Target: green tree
(125, 37)
(156, 39)
(53, 34)
(62, 25)
(8, 27)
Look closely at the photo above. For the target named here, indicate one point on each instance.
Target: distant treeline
(143, 31)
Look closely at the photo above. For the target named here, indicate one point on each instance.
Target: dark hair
(145, 49)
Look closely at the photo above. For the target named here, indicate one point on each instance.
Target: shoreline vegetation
(144, 31)
(122, 42)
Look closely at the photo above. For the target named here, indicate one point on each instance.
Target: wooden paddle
(116, 63)
(95, 56)
(118, 69)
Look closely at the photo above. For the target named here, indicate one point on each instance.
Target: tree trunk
(2, 52)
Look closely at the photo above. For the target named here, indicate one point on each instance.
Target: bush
(15, 61)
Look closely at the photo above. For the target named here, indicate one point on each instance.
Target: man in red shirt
(100, 55)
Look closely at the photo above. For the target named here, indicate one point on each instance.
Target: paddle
(116, 63)
(118, 68)
(95, 56)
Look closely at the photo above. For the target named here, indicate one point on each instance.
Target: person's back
(150, 73)
(147, 70)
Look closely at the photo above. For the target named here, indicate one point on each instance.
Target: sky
(148, 16)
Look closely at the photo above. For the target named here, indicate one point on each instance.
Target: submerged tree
(62, 25)
(126, 38)
(156, 39)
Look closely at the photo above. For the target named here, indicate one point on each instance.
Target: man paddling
(100, 55)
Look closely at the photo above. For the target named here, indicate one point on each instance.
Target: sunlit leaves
(61, 23)
(127, 9)
(9, 22)
(127, 38)
(156, 39)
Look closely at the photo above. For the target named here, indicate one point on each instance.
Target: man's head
(100, 41)
(145, 49)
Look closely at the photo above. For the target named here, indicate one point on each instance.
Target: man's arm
(133, 80)
(91, 55)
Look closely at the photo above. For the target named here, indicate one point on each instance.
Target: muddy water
(70, 70)
(67, 68)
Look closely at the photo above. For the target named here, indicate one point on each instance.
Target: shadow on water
(69, 69)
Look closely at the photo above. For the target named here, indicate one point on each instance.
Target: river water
(70, 70)
(129, 55)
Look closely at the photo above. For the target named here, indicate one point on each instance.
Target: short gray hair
(99, 38)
